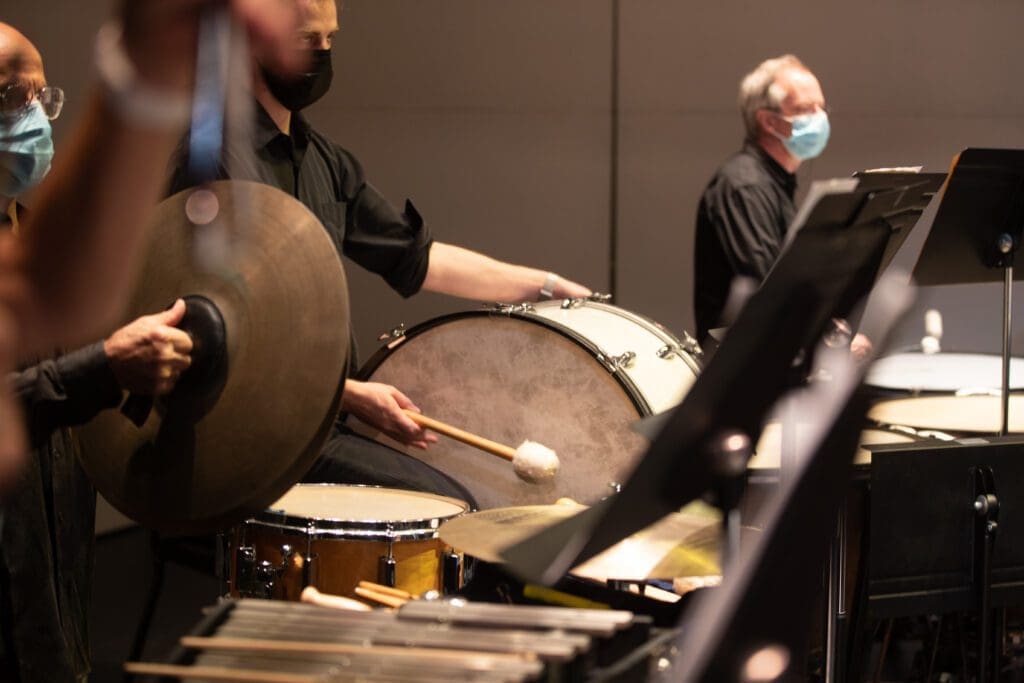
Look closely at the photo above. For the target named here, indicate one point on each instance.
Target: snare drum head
(953, 414)
(943, 372)
(510, 378)
(319, 507)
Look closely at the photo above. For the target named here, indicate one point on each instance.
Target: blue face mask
(809, 136)
(26, 150)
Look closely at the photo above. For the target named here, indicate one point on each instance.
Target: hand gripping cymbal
(270, 325)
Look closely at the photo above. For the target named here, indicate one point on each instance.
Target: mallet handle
(493, 447)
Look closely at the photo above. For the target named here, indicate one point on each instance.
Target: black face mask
(296, 92)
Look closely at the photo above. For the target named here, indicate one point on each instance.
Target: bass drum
(573, 375)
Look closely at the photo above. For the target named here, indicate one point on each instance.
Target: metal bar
(1005, 395)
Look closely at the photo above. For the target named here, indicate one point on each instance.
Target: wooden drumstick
(312, 596)
(533, 462)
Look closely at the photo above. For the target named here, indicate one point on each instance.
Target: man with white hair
(748, 205)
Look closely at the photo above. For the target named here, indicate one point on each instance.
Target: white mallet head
(535, 462)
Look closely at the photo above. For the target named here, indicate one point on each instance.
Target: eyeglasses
(790, 117)
(16, 98)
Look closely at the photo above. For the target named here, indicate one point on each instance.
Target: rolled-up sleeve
(393, 244)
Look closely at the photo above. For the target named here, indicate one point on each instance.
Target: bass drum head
(510, 378)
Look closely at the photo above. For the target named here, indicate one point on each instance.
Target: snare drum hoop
(280, 521)
(526, 313)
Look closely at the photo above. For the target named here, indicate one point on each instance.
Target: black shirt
(330, 182)
(48, 521)
(741, 226)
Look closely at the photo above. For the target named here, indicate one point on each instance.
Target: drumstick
(381, 598)
(532, 462)
(387, 590)
(312, 596)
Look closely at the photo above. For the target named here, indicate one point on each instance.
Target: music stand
(935, 513)
(977, 232)
(827, 268)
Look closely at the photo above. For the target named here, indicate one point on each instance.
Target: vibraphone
(285, 642)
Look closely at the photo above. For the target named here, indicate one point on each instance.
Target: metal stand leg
(986, 508)
(1005, 403)
(835, 628)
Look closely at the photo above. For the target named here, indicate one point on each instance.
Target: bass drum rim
(636, 397)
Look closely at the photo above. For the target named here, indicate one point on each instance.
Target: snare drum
(574, 376)
(333, 536)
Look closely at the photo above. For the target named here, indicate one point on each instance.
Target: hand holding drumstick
(533, 462)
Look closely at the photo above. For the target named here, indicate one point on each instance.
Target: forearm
(65, 391)
(85, 233)
(472, 275)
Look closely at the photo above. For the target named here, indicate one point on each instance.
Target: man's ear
(772, 124)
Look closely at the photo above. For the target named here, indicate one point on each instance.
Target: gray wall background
(496, 117)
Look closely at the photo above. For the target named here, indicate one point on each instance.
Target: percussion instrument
(270, 331)
(949, 373)
(260, 640)
(572, 375)
(331, 536)
(682, 544)
(768, 453)
(956, 415)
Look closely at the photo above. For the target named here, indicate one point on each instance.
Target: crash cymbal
(270, 326)
(685, 543)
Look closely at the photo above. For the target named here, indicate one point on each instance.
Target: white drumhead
(943, 372)
(364, 504)
(957, 414)
(768, 453)
(663, 379)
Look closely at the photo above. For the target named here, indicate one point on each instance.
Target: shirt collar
(783, 177)
(267, 131)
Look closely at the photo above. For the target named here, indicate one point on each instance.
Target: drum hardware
(393, 334)
(623, 361)
(596, 297)
(509, 309)
(259, 578)
(532, 462)
(451, 571)
(688, 347)
(209, 455)
(387, 567)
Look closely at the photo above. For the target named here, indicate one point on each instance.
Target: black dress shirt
(48, 522)
(330, 182)
(741, 226)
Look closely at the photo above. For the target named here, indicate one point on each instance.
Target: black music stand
(977, 232)
(826, 269)
(935, 514)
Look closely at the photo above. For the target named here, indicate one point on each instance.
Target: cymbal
(684, 543)
(270, 326)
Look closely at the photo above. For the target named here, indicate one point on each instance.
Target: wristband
(547, 290)
(137, 102)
